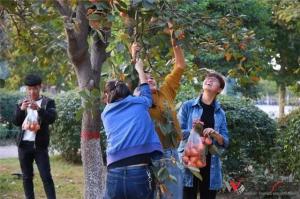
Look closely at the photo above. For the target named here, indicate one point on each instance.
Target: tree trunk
(88, 71)
(94, 170)
(282, 94)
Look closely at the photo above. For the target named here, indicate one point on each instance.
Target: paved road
(10, 151)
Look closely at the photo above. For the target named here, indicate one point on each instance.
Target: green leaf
(84, 94)
(163, 174)
(95, 17)
(172, 178)
(2, 83)
(79, 112)
(213, 150)
(196, 173)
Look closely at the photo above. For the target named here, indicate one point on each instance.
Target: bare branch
(81, 17)
(76, 29)
(63, 8)
(98, 54)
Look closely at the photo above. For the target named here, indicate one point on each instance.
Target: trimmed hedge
(8, 100)
(252, 135)
(288, 139)
(65, 132)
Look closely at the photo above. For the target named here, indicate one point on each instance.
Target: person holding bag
(205, 110)
(34, 115)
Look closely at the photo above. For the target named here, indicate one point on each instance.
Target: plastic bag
(195, 151)
(31, 122)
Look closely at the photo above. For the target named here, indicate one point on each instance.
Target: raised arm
(139, 67)
(177, 50)
(145, 92)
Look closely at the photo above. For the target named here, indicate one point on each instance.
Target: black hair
(32, 80)
(219, 77)
(116, 90)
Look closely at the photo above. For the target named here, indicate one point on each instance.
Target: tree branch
(77, 40)
(98, 54)
(63, 8)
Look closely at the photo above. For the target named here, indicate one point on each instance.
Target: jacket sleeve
(19, 116)
(224, 132)
(172, 82)
(48, 115)
(183, 121)
(145, 95)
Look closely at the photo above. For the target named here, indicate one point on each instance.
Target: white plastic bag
(31, 121)
(195, 150)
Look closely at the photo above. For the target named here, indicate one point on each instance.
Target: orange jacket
(163, 100)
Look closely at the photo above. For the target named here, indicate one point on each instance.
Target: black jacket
(47, 115)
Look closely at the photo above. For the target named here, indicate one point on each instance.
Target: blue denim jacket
(189, 111)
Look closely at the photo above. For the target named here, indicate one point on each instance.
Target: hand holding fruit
(31, 126)
(209, 132)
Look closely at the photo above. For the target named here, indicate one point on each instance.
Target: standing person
(207, 109)
(163, 112)
(33, 145)
(131, 140)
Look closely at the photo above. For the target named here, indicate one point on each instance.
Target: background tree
(286, 47)
(34, 42)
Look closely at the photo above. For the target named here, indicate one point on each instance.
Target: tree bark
(88, 71)
(282, 94)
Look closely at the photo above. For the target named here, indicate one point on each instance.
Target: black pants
(191, 192)
(201, 186)
(28, 153)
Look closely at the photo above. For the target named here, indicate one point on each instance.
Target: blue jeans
(129, 182)
(171, 162)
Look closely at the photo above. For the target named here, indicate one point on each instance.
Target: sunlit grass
(68, 180)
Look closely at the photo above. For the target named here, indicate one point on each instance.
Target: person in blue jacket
(206, 109)
(131, 140)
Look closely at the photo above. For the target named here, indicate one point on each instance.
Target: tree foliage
(34, 43)
(225, 36)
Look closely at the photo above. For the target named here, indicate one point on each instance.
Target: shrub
(8, 100)
(6, 133)
(65, 132)
(288, 139)
(252, 135)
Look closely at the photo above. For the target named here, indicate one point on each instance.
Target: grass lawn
(68, 180)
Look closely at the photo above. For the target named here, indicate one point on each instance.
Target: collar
(196, 102)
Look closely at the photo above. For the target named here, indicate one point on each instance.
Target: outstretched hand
(139, 66)
(172, 33)
(134, 50)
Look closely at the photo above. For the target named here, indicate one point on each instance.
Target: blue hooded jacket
(129, 128)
